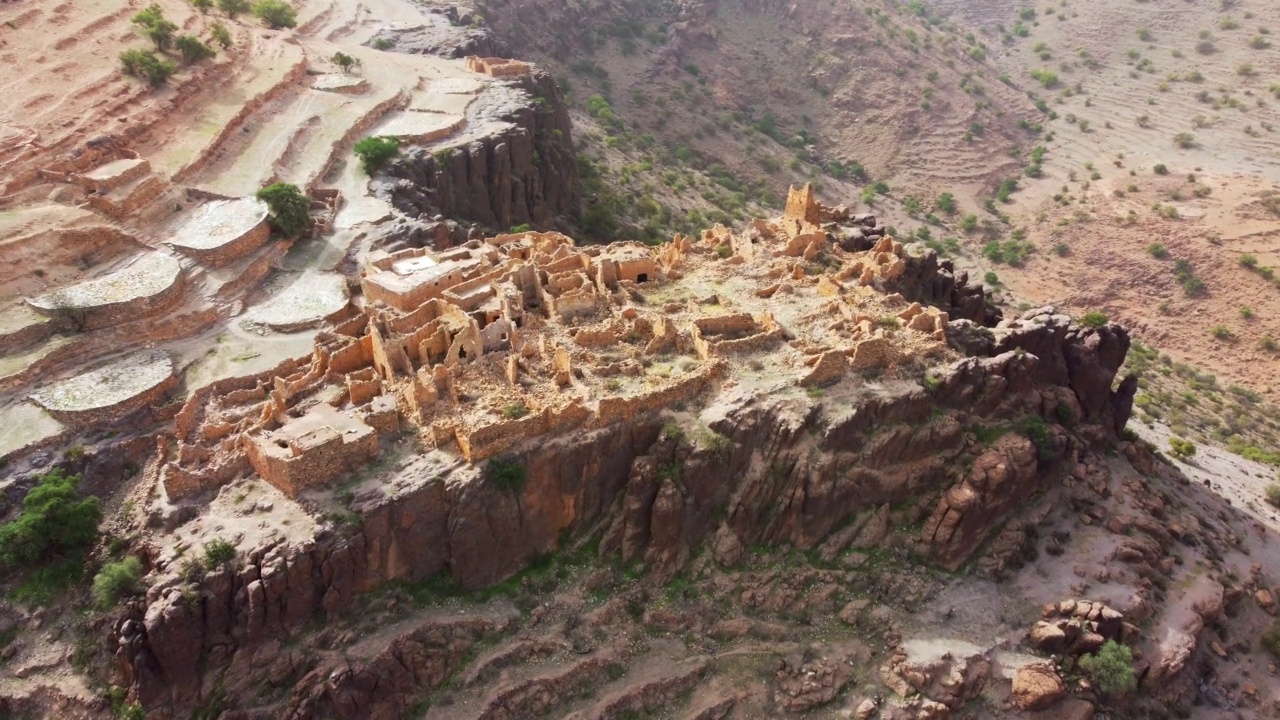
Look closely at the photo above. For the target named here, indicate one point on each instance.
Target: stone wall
(106, 184)
(626, 409)
(231, 251)
(129, 201)
(111, 414)
(330, 454)
(25, 336)
(96, 317)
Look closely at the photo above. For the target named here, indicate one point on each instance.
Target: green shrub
(382, 44)
(1270, 640)
(1183, 449)
(1047, 78)
(1221, 332)
(54, 520)
(52, 580)
(1111, 668)
(505, 473)
(117, 580)
(673, 430)
(991, 279)
(1094, 319)
(202, 5)
(276, 13)
(1184, 140)
(1160, 169)
(515, 411)
(290, 209)
(144, 64)
(946, 202)
(375, 152)
(1158, 251)
(193, 49)
(220, 34)
(233, 7)
(1273, 497)
(1249, 261)
(1012, 252)
(218, 552)
(968, 222)
(1268, 344)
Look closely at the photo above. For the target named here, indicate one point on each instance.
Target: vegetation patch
(505, 473)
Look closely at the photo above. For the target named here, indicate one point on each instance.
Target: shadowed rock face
(526, 172)
(791, 469)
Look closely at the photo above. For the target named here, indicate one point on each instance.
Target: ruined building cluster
(480, 347)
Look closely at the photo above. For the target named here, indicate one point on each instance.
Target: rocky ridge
(796, 471)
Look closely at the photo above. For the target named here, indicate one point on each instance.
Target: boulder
(1037, 686)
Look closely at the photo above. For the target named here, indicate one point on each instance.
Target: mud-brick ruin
(517, 337)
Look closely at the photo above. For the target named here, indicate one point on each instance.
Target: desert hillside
(619, 359)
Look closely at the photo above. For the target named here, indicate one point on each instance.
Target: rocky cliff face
(525, 171)
(936, 463)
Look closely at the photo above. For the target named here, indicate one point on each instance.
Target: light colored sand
(24, 424)
(11, 365)
(114, 168)
(19, 316)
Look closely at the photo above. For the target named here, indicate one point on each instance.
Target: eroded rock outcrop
(524, 172)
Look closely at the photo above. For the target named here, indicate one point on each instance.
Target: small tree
(117, 580)
(374, 152)
(145, 64)
(290, 208)
(148, 16)
(946, 203)
(204, 6)
(344, 61)
(54, 520)
(193, 49)
(220, 34)
(155, 26)
(1111, 668)
(233, 7)
(276, 13)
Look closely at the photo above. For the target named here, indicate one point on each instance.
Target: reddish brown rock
(1037, 686)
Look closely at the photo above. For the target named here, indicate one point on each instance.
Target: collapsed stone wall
(527, 173)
